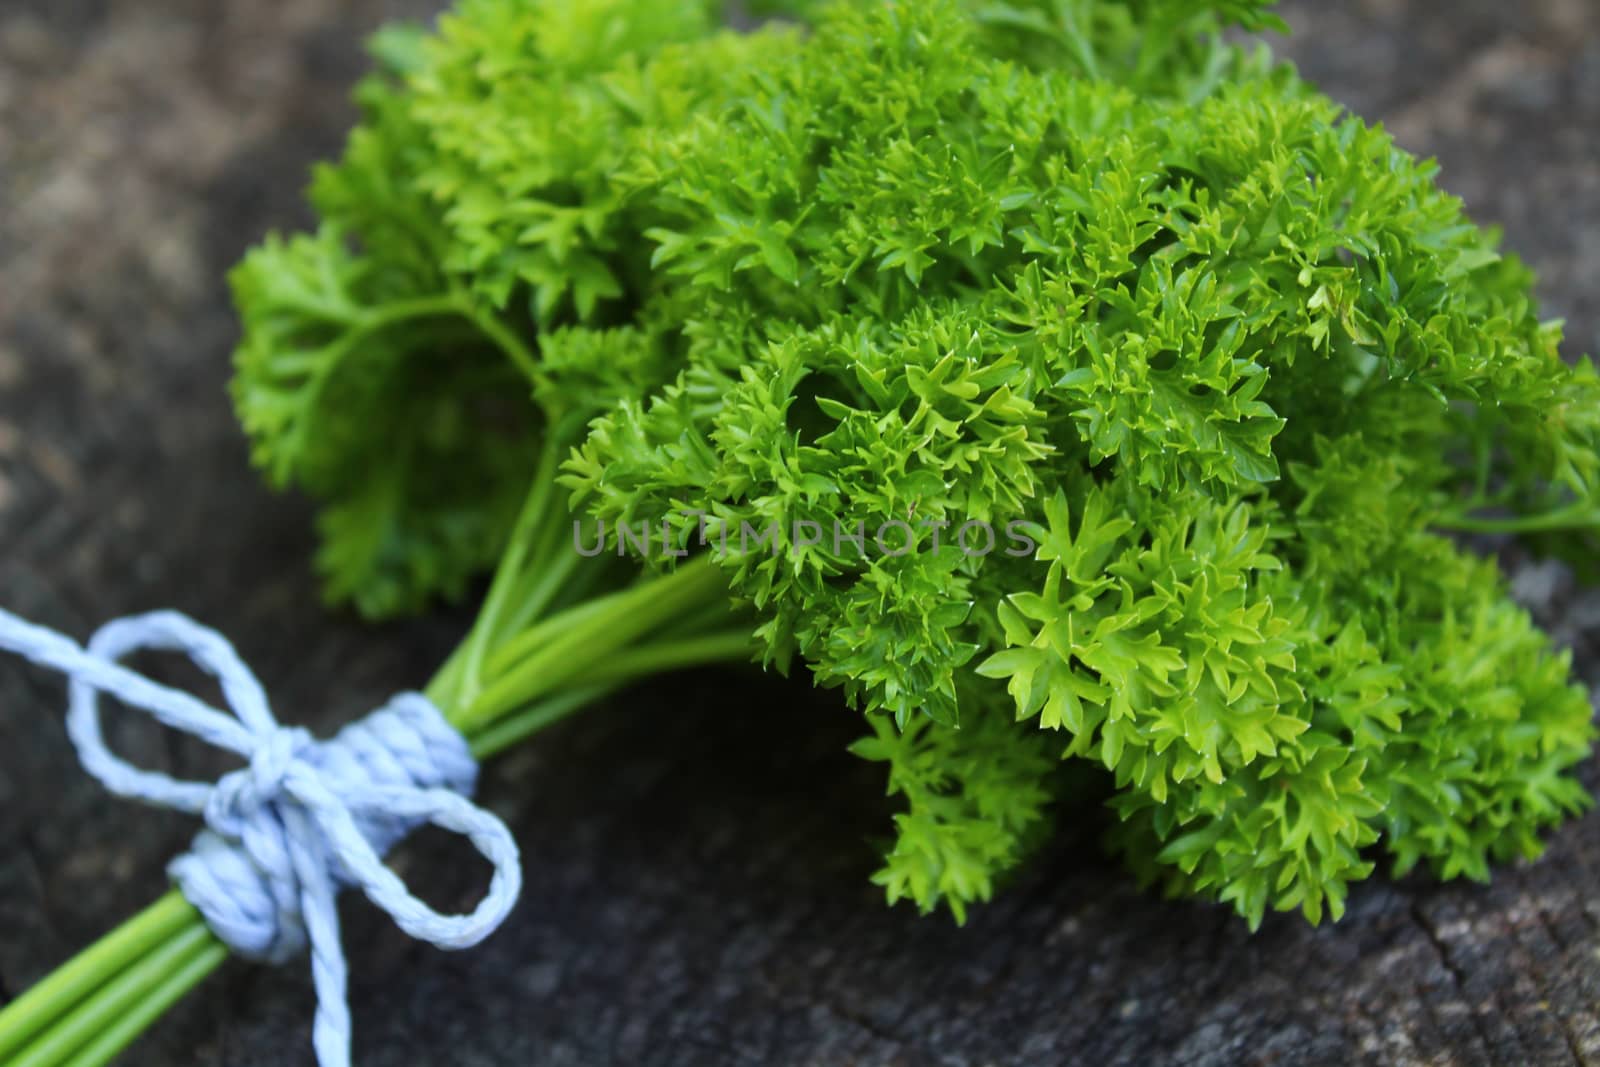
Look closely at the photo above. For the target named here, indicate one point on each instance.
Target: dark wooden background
(697, 887)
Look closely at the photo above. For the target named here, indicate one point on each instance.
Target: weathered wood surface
(697, 894)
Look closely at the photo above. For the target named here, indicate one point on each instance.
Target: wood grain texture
(697, 895)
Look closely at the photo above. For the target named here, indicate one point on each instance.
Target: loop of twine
(301, 820)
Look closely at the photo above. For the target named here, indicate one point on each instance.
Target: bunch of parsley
(1228, 354)
(1224, 358)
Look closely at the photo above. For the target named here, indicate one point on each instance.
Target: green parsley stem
(1583, 515)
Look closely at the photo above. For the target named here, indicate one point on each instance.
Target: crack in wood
(1458, 976)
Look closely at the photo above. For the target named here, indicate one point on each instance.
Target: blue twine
(302, 820)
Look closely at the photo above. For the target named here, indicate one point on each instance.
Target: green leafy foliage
(460, 299)
(975, 802)
(1067, 386)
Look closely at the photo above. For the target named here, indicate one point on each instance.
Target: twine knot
(302, 819)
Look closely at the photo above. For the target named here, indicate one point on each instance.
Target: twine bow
(302, 819)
